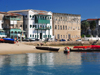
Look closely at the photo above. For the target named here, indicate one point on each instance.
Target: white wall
(0, 24)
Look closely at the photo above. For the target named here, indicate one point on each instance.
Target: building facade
(13, 25)
(37, 24)
(66, 26)
(96, 31)
(2, 32)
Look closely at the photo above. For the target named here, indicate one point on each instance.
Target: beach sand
(20, 48)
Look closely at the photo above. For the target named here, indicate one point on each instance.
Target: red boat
(86, 48)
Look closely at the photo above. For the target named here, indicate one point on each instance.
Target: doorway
(69, 36)
(40, 35)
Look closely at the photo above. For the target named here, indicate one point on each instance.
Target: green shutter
(30, 16)
(30, 35)
(35, 36)
(50, 27)
(50, 36)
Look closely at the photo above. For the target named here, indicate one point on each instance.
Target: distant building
(2, 32)
(97, 29)
(66, 26)
(37, 23)
(13, 25)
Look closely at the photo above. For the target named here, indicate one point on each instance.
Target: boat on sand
(47, 48)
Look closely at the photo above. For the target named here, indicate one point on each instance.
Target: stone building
(66, 26)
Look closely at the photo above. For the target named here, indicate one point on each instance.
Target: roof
(67, 14)
(10, 14)
(40, 11)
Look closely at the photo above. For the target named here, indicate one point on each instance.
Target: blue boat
(8, 40)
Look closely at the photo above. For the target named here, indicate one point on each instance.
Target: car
(62, 40)
(36, 39)
(26, 39)
(79, 40)
(32, 39)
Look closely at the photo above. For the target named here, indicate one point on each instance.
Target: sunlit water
(50, 64)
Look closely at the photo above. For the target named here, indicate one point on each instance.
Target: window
(61, 36)
(50, 17)
(58, 27)
(30, 35)
(55, 26)
(30, 16)
(66, 27)
(30, 26)
(50, 27)
(33, 35)
(20, 25)
(66, 36)
(63, 27)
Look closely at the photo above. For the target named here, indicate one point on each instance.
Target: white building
(2, 32)
(37, 23)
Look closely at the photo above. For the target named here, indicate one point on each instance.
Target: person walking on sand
(17, 42)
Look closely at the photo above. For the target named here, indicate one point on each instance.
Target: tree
(84, 26)
(92, 25)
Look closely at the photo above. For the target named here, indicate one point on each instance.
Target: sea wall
(69, 43)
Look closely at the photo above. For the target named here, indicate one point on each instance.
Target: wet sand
(20, 48)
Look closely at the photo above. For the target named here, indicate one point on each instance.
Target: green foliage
(88, 35)
(85, 24)
(82, 35)
(92, 25)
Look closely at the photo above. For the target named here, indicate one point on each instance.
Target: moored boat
(1, 40)
(47, 48)
(8, 40)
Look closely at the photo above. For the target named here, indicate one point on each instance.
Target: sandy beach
(19, 48)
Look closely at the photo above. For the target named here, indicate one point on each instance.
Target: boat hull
(84, 50)
(7, 40)
(47, 48)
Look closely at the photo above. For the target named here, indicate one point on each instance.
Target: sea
(52, 63)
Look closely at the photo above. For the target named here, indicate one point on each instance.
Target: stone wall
(66, 26)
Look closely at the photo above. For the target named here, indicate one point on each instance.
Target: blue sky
(86, 8)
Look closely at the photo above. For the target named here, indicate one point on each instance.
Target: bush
(82, 35)
(88, 35)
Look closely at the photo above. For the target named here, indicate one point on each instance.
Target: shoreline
(20, 48)
(29, 47)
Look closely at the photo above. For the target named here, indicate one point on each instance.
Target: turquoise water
(56, 63)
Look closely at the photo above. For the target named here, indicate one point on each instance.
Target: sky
(85, 8)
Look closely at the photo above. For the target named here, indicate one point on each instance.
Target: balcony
(10, 18)
(2, 34)
(42, 28)
(40, 21)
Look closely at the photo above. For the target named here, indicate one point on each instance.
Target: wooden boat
(8, 40)
(47, 48)
(1, 40)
